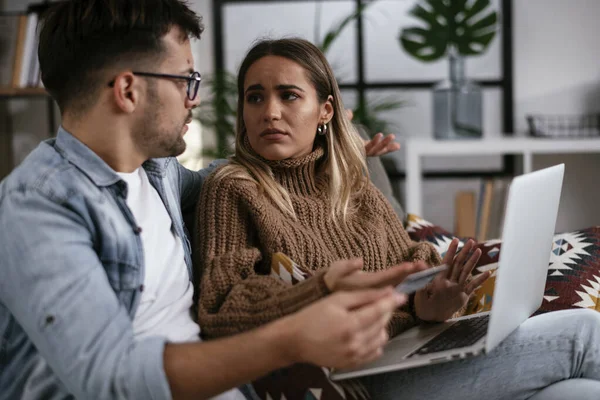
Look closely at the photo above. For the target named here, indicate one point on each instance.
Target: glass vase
(457, 104)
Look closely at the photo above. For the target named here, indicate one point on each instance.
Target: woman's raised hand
(449, 291)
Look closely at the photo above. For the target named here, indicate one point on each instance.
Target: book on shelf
(481, 215)
(9, 27)
(19, 63)
(464, 214)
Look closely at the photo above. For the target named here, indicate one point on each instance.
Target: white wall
(557, 70)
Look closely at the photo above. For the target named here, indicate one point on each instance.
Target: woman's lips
(273, 134)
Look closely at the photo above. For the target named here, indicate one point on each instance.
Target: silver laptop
(529, 223)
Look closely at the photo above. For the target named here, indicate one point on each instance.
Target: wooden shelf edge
(18, 92)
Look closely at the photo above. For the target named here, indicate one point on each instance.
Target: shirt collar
(92, 165)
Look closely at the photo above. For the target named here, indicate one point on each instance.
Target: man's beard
(161, 144)
(157, 142)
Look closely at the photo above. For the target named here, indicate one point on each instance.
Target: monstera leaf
(460, 24)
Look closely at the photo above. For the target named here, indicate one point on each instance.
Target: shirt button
(137, 230)
(141, 288)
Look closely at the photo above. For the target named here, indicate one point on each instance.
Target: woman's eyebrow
(288, 87)
(257, 86)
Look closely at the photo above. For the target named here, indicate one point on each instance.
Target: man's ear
(327, 110)
(126, 92)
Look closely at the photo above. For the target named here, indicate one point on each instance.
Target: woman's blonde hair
(344, 160)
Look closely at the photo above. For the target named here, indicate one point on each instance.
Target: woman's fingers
(373, 145)
(381, 144)
(387, 145)
(459, 261)
(449, 259)
(469, 265)
(477, 281)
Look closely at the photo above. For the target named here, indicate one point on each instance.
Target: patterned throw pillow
(573, 271)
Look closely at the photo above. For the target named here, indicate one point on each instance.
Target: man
(96, 289)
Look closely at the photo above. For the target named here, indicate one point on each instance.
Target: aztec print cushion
(573, 271)
(302, 381)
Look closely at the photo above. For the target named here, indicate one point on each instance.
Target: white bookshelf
(416, 148)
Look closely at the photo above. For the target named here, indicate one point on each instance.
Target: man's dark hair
(81, 39)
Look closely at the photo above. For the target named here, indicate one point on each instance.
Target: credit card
(419, 280)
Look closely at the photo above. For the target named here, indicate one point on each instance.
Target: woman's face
(281, 109)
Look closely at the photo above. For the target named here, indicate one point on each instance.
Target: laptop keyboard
(462, 334)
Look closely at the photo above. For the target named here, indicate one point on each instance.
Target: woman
(298, 185)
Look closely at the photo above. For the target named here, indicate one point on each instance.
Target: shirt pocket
(118, 246)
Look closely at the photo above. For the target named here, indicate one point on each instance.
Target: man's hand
(381, 145)
(348, 275)
(343, 330)
(450, 290)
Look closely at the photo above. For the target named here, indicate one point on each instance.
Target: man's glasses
(193, 81)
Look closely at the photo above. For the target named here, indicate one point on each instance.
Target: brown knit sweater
(239, 229)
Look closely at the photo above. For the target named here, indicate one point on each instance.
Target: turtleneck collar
(300, 175)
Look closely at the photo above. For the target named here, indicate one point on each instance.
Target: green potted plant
(455, 29)
(218, 112)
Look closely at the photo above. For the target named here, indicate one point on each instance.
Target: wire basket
(564, 126)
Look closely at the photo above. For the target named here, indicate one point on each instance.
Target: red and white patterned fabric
(573, 271)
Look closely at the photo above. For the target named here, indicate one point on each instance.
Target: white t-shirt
(166, 301)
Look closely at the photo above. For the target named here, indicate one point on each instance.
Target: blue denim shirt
(72, 268)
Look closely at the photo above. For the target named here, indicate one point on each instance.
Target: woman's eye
(253, 98)
(289, 96)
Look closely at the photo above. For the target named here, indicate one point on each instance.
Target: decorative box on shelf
(564, 126)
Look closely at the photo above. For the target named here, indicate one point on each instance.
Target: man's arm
(342, 330)
(56, 288)
(190, 183)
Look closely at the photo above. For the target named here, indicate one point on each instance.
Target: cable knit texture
(239, 228)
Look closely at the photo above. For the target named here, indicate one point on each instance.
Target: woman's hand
(381, 145)
(450, 290)
(348, 275)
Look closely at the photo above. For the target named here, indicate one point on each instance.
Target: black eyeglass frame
(193, 81)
